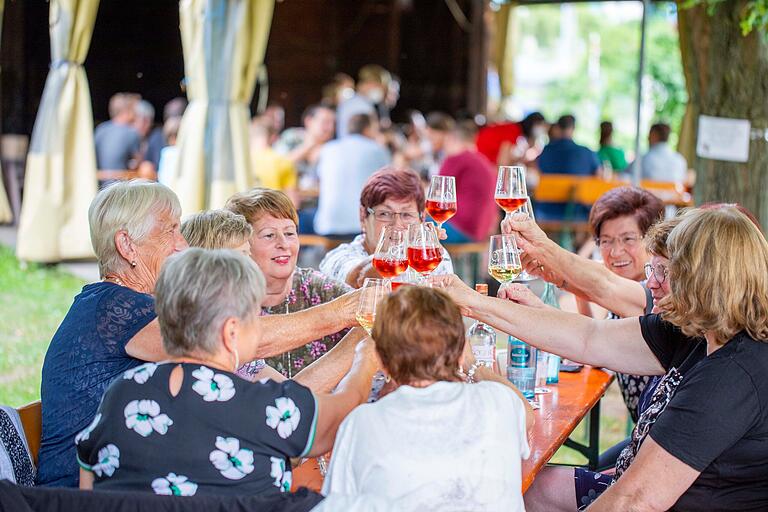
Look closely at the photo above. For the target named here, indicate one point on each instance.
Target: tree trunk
(727, 76)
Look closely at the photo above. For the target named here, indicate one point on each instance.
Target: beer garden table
(568, 402)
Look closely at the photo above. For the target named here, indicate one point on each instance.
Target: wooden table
(575, 396)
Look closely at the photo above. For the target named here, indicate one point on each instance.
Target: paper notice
(721, 138)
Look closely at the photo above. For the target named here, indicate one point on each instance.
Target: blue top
(85, 355)
(116, 144)
(563, 156)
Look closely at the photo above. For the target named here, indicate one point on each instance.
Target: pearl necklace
(114, 279)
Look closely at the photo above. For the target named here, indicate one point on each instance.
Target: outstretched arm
(614, 344)
(583, 277)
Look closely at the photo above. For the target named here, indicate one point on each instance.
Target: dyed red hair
(392, 183)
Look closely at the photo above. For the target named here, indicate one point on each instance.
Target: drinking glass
(526, 208)
(504, 258)
(511, 191)
(441, 199)
(391, 258)
(371, 295)
(424, 251)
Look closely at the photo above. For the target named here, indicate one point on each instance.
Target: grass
(33, 302)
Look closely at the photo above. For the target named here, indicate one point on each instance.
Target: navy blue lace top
(85, 355)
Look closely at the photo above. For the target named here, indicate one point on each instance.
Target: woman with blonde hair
(708, 446)
(218, 229)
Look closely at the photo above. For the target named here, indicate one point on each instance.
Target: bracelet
(471, 372)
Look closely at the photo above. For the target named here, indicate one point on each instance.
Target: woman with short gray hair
(203, 430)
(111, 326)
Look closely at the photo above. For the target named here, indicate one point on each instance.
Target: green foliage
(754, 17)
(33, 302)
(612, 94)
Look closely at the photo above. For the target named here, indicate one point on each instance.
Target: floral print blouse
(220, 435)
(309, 288)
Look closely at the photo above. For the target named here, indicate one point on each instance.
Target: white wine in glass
(504, 258)
(371, 294)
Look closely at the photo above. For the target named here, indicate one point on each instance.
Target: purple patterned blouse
(309, 288)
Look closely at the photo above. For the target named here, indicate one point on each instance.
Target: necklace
(114, 279)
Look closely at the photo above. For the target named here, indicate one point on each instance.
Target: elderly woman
(111, 326)
(619, 220)
(218, 229)
(434, 443)
(389, 197)
(275, 249)
(706, 449)
(190, 426)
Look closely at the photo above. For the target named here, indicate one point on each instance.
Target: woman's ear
(125, 247)
(230, 332)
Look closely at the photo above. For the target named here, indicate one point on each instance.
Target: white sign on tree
(725, 139)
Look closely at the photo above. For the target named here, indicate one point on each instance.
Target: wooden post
(477, 94)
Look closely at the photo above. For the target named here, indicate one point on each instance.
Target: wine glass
(441, 199)
(391, 258)
(371, 295)
(424, 250)
(511, 191)
(504, 258)
(526, 208)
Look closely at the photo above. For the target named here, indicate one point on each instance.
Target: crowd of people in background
(323, 164)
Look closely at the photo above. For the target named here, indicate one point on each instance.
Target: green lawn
(33, 301)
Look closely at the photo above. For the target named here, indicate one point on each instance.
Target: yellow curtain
(503, 47)
(61, 165)
(224, 43)
(5, 209)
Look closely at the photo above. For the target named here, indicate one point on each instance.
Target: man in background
(116, 140)
(372, 88)
(564, 156)
(302, 145)
(344, 166)
(661, 162)
(475, 177)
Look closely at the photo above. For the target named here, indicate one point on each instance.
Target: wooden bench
(32, 421)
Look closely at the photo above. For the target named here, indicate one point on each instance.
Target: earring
(387, 379)
(133, 264)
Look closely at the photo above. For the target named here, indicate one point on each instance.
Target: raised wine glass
(511, 191)
(441, 199)
(424, 250)
(391, 258)
(504, 258)
(526, 208)
(371, 295)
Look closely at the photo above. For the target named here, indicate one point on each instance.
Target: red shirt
(475, 185)
(490, 138)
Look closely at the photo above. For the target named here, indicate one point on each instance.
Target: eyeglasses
(389, 216)
(659, 272)
(622, 241)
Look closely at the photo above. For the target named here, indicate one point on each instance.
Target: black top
(219, 435)
(717, 421)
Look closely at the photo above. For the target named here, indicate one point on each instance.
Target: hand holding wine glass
(424, 250)
(504, 258)
(441, 199)
(371, 295)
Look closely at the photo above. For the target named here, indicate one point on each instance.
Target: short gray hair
(216, 229)
(197, 290)
(144, 109)
(129, 205)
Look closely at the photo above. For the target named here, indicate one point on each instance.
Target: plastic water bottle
(549, 297)
(482, 338)
(521, 366)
